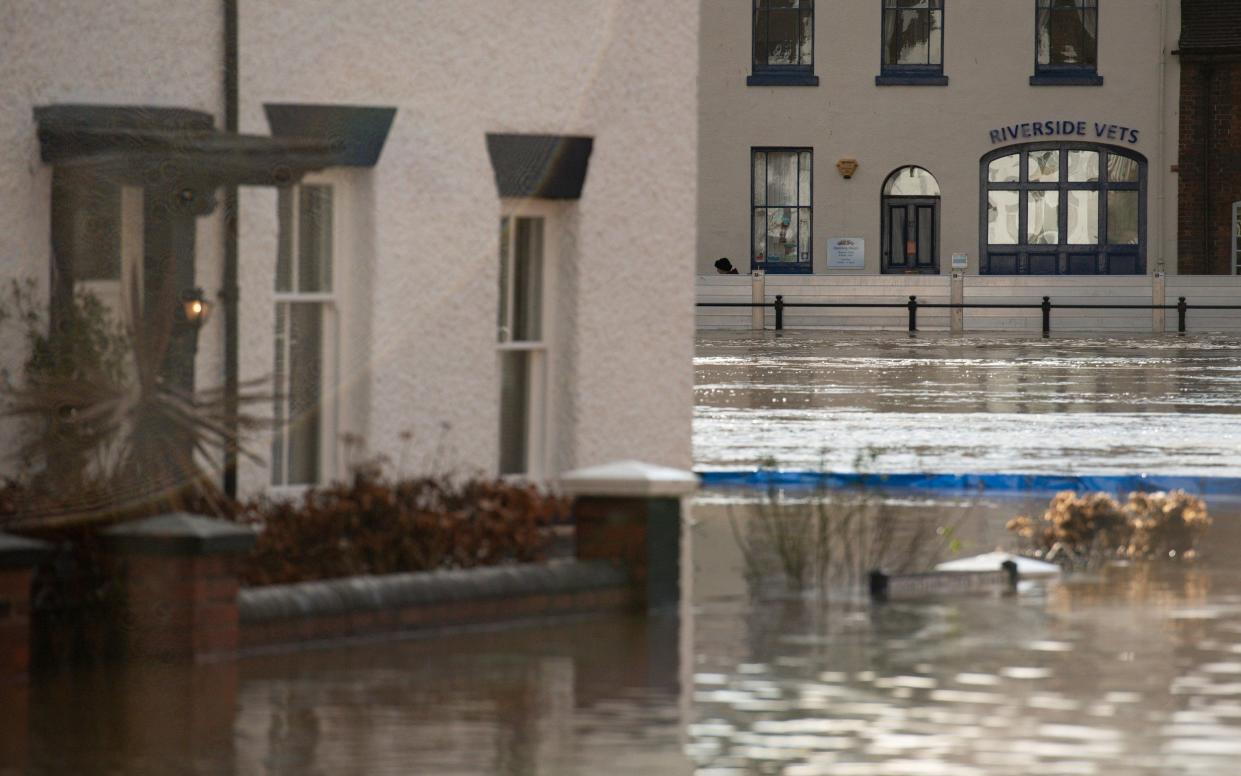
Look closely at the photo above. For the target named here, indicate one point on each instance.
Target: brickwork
(180, 606)
(1209, 163)
(14, 624)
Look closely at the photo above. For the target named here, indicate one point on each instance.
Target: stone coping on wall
(365, 605)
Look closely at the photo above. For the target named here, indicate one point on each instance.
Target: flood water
(968, 404)
(1131, 669)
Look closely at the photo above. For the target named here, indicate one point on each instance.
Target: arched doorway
(910, 218)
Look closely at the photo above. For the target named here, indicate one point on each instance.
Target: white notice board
(846, 253)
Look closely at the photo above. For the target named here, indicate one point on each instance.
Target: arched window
(910, 218)
(1063, 209)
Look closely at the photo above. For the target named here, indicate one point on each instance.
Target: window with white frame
(522, 343)
(305, 325)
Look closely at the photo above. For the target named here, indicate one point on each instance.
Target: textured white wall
(623, 72)
(988, 58)
(421, 255)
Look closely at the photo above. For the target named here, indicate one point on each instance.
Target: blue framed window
(783, 43)
(1066, 43)
(781, 196)
(913, 43)
(1062, 209)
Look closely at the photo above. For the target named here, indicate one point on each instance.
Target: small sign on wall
(846, 253)
(960, 260)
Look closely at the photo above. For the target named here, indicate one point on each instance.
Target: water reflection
(969, 403)
(1135, 669)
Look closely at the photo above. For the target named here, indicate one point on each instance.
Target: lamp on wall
(846, 167)
(195, 309)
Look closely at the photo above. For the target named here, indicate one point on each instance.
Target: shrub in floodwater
(1083, 529)
(830, 538)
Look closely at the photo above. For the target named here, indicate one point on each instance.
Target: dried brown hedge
(1082, 529)
(373, 524)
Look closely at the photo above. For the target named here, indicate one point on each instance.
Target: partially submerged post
(180, 584)
(629, 513)
(18, 557)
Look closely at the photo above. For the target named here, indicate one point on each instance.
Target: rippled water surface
(977, 403)
(1132, 669)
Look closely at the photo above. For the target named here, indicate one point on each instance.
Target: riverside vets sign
(1091, 130)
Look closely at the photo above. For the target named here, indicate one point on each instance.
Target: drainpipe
(231, 289)
(1208, 68)
(1161, 179)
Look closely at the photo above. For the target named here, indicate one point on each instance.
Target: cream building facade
(454, 243)
(991, 149)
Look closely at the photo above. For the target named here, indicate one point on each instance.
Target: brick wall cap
(629, 478)
(181, 533)
(20, 552)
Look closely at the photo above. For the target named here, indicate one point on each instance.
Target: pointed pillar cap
(629, 478)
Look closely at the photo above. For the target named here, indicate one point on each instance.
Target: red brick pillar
(630, 513)
(18, 557)
(180, 584)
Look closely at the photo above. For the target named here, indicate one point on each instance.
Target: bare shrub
(1081, 530)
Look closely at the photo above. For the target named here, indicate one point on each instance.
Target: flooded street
(976, 403)
(1134, 670)
(1131, 669)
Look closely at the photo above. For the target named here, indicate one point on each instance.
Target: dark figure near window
(725, 267)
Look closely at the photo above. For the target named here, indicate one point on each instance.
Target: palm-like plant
(114, 437)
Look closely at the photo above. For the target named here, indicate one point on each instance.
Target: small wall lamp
(846, 167)
(195, 309)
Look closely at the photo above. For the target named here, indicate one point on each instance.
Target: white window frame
(329, 455)
(542, 357)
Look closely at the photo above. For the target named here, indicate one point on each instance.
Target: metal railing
(913, 305)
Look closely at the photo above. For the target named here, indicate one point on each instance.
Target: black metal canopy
(542, 166)
(174, 147)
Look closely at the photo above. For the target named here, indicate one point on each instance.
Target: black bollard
(779, 312)
(913, 313)
(1047, 316)
(1181, 307)
(878, 582)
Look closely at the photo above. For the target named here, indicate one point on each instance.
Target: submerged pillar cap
(629, 478)
(20, 552)
(181, 533)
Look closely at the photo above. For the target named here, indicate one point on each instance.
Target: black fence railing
(913, 305)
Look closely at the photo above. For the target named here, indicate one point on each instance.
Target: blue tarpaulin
(1014, 484)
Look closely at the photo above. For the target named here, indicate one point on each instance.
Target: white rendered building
(463, 230)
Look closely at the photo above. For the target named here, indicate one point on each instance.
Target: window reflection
(1004, 169)
(1084, 166)
(912, 33)
(1043, 218)
(1002, 215)
(1122, 217)
(1085, 203)
(783, 33)
(1067, 33)
(911, 182)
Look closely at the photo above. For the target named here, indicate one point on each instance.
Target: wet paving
(968, 404)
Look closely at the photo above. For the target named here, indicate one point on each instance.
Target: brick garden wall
(1210, 148)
